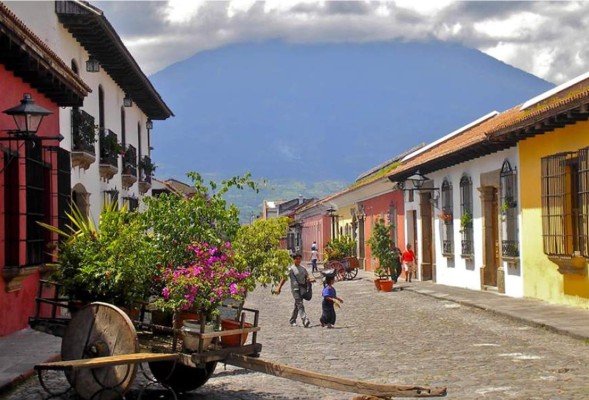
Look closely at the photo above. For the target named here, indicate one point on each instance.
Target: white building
(118, 112)
(454, 191)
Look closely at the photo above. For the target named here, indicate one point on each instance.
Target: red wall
(18, 305)
(376, 208)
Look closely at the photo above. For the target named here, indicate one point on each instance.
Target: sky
(547, 39)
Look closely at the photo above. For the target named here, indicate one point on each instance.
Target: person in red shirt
(408, 259)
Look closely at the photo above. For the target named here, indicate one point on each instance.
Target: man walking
(298, 276)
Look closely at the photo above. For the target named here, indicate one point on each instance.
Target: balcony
(129, 175)
(467, 248)
(447, 248)
(146, 170)
(83, 139)
(109, 154)
(510, 248)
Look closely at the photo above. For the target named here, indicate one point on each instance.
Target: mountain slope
(323, 112)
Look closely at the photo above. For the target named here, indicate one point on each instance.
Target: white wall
(40, 18)
(457, 271)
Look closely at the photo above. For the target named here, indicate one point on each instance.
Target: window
(509, 214)
(447, 217)
(74, 66)
(565, 203)
(123, 128)
(132, 202)
(466, 216)
(11, 209)
(111, 196)
(63, 187)
(392, 221)
(38, 206)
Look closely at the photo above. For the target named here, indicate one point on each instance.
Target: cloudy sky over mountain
(545, 38)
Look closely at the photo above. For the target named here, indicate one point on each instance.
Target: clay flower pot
(233, 340)
(377, 284)
(386, 285)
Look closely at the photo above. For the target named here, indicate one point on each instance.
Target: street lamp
(331, 213)
(27, 116)
(417, 179)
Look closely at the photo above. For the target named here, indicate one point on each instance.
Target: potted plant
(465, 221)
(508, 203)
(202, 282)
(382, 247)
(339, 247)
(446, 216)
(146, 166)
(112, 261)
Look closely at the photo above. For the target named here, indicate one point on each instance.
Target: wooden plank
(332, 382)
(97, 362)
(227, 332)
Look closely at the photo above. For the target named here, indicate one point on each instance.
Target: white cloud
(514, 27)
(181, 11)
(544, 38)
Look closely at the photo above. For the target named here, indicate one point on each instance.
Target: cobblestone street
(400, 337)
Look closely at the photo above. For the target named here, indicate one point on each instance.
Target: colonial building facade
(34, 170)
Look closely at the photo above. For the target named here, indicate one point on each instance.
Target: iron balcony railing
(467, 247)
(130, 161)
(83, 132)
(510, 248)
(447, 247)
(146, 169)
(109, 147)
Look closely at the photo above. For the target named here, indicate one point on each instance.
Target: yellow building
(552, 134)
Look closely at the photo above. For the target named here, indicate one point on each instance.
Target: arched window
(447, 216)
(466, 216)
(508, 208)
(74, 66)
(123, 128)
(101, 122)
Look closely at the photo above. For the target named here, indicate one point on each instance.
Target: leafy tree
(257, 248)
(111, 261)
(205, 217)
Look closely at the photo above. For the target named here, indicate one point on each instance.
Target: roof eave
(92, 30)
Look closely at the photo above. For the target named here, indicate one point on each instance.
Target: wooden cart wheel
(339, 269)
(351, 273)
(182, 378)
(100, 330)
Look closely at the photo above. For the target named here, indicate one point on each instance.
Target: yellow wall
(345, 217)
(540, 275)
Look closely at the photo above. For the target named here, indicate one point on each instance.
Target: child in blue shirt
(327, 306)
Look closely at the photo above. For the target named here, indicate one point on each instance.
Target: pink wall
(21, 302)
(315, 228)
(378, 207)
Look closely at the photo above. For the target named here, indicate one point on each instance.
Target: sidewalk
(20, 351)
(570, 321)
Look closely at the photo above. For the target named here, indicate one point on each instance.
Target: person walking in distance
(408, 262)
(314, 257)
(328, 305)
(397, 264)
(298, 276)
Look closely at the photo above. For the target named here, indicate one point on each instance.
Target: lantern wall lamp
(28, 117)
(416, 182)
(92, 65)
(127, 101)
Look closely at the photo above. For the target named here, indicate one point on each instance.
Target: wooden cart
(103, 348)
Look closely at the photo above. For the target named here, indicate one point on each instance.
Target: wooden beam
(333, 382)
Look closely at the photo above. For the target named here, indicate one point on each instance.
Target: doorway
(426, 259)
(491, 236)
